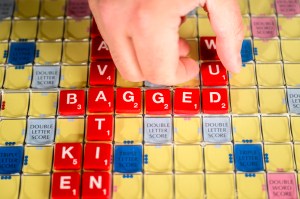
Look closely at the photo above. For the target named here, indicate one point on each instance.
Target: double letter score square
(186, 101)
(102, 73)
(215, 100)
(158, 101)
(101, 100)
(128, 100)
(100, 50)
(213, 74)
(71, 102)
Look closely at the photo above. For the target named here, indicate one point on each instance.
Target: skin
(143, 38)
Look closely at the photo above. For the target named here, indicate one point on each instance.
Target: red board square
(99, 49)
(158, 101)
(65, 185)
(215, 100)
(96, 185)
(213, 74)
(71, 102)
(97, 156)
(101, 100)
(99, 128)
(128, 100)
(186, 101)
(102, 73)
(67, 156)
(208, 50)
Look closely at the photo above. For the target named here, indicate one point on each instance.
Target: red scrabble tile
(99, 128)
(158, 101)
(96, 185)
(94, 30)
(101, 100)
(128, 100)
(208, 49)
(67, 156)
(215, 100)
(213, 74)
(102, 73)
(65, 185)
(186, 100)
(97, 156)
(99, 49)
(71, 102)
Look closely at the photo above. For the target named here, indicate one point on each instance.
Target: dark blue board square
(248, 157)
(246, 51)
(21, 53)
(128, 159)
(11, 159)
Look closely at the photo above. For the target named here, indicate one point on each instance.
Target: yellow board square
(73, 76)
(187, 130)
(158, 187)
(269, 74)
(189, 186)
(292, 74)
(27, 8)
(2, 72)
(194, 52)
(204, 27)
(276, 129)
(12, 131)
(251, 187)
(129, 129)
(121, 82)
(17, 78)
(247, 27)
(42, 104)
(243, 101)
(35, 187)
(75, 52)
(69, 130)
(289, 27)
(77, 29)
(265, 7)
(220, 186)
(188, 158)
(160, 158)
(189, 28)
(246, 128)
(272, 100)
(39, 159)
(10, 188)
(290, 50)
(280, 157)
(217, 158)
(201, 12)
(52, 9)
(3, 49)
(267, 50)
(244, 7)
(16, 104)
(50, 30)
(49, 52)
(5, 29)
(245, 78)
(195, 82)
(297, 155)
(295, 126)
(24, 29)
(127, 188)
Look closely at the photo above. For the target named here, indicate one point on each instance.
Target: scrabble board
(71, 127)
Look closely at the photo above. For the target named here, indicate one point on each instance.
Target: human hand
(144, 43)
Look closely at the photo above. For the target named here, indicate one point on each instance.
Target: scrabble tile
(246, 129)
(71, 102)
(251, 187)
(189, 28)
(244, 7)
(3, 51)
(218, 158)
(213, 74)
(247, 27)
(297, 155)
(272, 100)
(41, 184)
(23, 29)
(50, 29)
(94, 31)
(186, 101)
(267, 50)
(158, 101)
(17, 135)
(158, 130)
(282, 185)
(295, 124)
(11, 158)
(215, 100)
(158, 186)
(127, 187)
(264, 27)
(52, 9)
(96, 184)
(128, 101)
(287, 8)
(65, 185)
(279, 157)
(78, 9)
(289, 27)
(21, 53)
(75, 52)
(6, 9)
(262, 8)
(189, 185)
(18, 77)
(101, 100)
(294, 100)
(27, 9)
(102, 73)
(269, 74)
(220, 185)
(37, 159)
(245, 78)
(124, 125)
(289, 49)
(247, 51)
(9, 186)
(187, 130)
(208, 48)
(5, 27)
(204, 27)
(128, 158)
(194, 52)
(67, 156)
(14, 104)
(121, 82)
(44, 77)
(292, 72)
(216, 129)
(40, 131)
(69, 130)
(244, 101)
(42, 104)
(158, 158)
(276, 129)
(97, 156)
(48, 52)
(101, 128)
(99, 49)
(188, 158)
(73, 76)
(77, 29)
